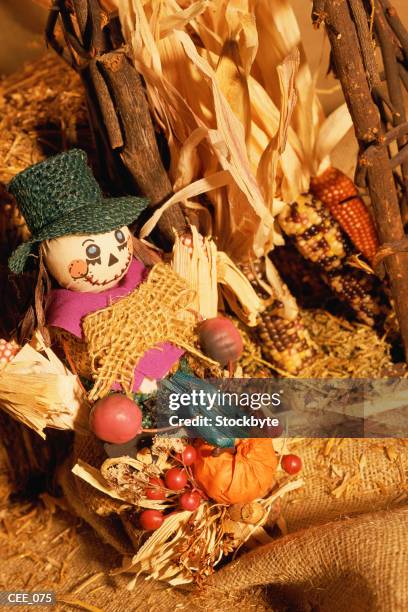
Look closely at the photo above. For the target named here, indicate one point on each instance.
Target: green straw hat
(60, 196)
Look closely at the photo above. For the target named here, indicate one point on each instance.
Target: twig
(82, 16)
(366, 43)
(360, 175)
(385, 38)
(351, 72)
(118, 109)
(51, 39)
(69, 33)
(403, 75)
(106, 105)
(318, 13)
(396, 24)
(143, 162)
(400, 158)
(389, 248)
(397, 132)
(98, 40)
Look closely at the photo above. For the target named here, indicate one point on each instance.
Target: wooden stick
(118, 109)
(366, 46)
(138, 155)
(385, 37)
(400, 158)
(395, 133)
(396, 24)
(350, 69)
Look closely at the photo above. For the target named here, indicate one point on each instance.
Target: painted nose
(112, 260)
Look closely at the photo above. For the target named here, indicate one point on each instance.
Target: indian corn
(284, 342)
(338, 192)
(319, 238)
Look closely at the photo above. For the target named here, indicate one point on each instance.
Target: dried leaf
(332, 130)
(232, 81)
(238, 291)
(39, 391)
(201, 186)
(94, 478)
(196, 263)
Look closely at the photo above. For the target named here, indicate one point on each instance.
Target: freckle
(78, 268)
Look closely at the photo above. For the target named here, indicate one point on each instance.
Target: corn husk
(125, 478)
(93, 477)
(201, 99)
(207, 270)
(39, 391)
(189, 545)
(196, 262)
(241, 98)
(237, 290)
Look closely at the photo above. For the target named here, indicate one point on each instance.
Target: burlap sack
(358, 563)
(352, 565)
(346, 477)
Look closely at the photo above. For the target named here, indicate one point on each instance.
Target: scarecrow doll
(122, 328)
(86, 246)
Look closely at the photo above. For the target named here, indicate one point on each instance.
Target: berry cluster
(175, 479)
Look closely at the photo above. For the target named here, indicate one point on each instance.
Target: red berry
(175, 479)
(155, 490)
(151, 519)
(220, 340)
(292, 464)
(116, 419)
(189, 455)
(190, 500)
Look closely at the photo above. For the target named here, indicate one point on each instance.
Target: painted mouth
(93, 281)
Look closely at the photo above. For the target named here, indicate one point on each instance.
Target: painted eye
(120, 236)
(93, 251)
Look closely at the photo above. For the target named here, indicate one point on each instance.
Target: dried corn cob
(318, 237)
(338, 192)
(284, 342)
(357, 289)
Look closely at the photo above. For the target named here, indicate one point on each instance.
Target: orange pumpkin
(241, 477)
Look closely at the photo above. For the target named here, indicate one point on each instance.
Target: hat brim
(95, 218)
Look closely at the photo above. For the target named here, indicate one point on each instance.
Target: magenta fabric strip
(66, 310)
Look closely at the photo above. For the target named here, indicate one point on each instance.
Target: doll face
(93, 262)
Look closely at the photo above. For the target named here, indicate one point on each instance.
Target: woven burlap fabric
(360, 563)
(354, 477)
(117, 336)
(76, 350)
(352, 565)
